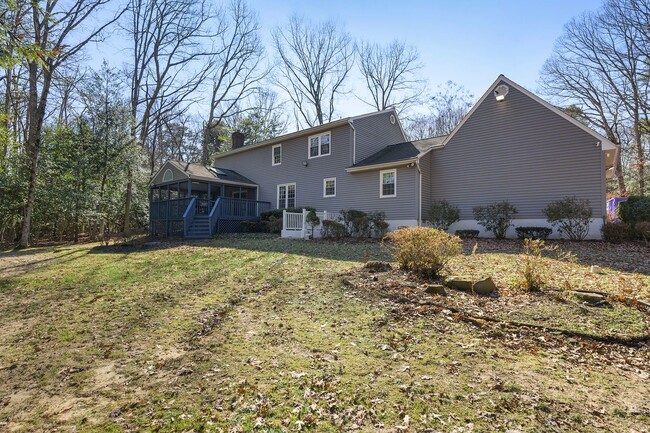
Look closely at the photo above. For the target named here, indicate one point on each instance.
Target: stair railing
(188, 216)
(213, 215)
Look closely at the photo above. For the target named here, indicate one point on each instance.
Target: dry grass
(251, 333)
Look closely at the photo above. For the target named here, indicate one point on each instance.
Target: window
(286, 195)
(319, 145)
(388, 183)
(329, 187)
(277, 155)
(168, 176)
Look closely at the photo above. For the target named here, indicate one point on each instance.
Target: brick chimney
(237, 139)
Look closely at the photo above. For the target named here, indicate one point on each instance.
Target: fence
(295, 225)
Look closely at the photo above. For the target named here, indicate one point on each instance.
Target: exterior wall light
(305, 163)
(500, 92)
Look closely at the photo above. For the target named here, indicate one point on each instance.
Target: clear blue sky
(469, 42)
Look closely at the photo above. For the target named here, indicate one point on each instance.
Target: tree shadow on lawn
(354, 251)
(625, 257)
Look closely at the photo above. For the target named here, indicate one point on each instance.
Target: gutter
(417, 164)
(380, 166)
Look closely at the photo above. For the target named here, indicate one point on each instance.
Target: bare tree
(171, 60)
(599, 65)
(237, 68)
(314, 62)
(390, 73)
(447, 107)
(52, 26)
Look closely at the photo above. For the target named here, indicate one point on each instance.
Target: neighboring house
(511, 146)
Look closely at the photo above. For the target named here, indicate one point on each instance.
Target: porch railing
(297, 222)
(188, 216)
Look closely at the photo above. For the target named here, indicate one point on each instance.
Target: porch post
(209, 196)
(284, 219)
(189, 187)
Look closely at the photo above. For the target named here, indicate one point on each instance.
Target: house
(512, 145)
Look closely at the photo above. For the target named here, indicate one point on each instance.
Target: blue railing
(188, 216)
(213, 215)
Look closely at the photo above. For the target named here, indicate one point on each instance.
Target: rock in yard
(378, 266)
(435, 289)
(484, 287)
(590, 297)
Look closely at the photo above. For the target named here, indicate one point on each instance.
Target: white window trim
(325, 187)
(381, 183)
(319, 144)
(286, 202)
(273, 163)
(164, 178)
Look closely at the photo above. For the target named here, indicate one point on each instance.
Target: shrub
(634, 210)
(496, 217)
(532, 264)
(313, 220)
(352, 220)
(333, 230)
(442, 214)
(254, 226)
(642, 230)
(571, 216)
(423, 250)
(277, 213)
(616, 233)
(275, 224)
(467, 234)
(533, 232)
(378, 224)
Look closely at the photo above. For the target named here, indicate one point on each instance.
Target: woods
(80, 138)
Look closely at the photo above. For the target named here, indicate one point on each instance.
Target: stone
(378, 266)
(590, 297)
(435, 289)
(484, 287)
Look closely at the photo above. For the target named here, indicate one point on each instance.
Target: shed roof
(399, 152)
(208, 174)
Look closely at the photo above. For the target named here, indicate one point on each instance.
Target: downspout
(354, 142)
(417, 164)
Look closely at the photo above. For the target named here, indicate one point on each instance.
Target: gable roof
(304, 132)
(397, 153)
(605, 143)
(205, 173)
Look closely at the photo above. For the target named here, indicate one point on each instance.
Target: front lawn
(255, 333)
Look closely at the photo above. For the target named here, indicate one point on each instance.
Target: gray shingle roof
(400, 151)
(211, 174)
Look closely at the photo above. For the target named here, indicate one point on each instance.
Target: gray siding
(178, 175)
(376, 132)
(520, 151)
(427, 176)
(357, 191)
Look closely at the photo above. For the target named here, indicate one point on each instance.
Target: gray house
(512, 145)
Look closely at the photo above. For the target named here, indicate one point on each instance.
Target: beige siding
(520, 151)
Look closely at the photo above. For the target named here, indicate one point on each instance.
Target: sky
(469, 42)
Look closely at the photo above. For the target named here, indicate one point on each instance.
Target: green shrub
(378, 224)
(423, 250)
(333, 230)
(634, 210)
(313, 220)
(467, 234)
(352, 219)
(254, 226)
(571, 216)
(275, 224)
(642, 231)
(277, 213)
(616, 233)
(496, 217)
(442, 214)
(533, 232)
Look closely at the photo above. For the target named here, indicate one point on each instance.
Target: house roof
(209, 174)
(397, 153)
(301, 133)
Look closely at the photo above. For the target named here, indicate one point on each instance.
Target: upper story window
(319, 145)
(277, 155)
(388, 183)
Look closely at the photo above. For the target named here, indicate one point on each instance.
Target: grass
(254, 333)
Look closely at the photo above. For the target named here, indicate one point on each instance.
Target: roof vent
(500, 92)
(392, 119)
